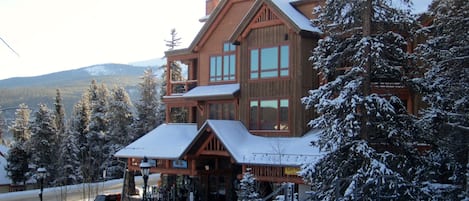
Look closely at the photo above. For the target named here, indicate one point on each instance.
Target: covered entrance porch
(216, 170)
(208, 163)
(217, 179)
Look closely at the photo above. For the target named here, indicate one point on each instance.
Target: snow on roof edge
(247, 148)
(212, 90)
(167, 141)
(297, 17)
(171, 141)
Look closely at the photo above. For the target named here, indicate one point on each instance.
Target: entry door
(217, 187)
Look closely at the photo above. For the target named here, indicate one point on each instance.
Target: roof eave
(177, 52)
(149, 157)
(234, 38)
(245, 21)
(208, 23)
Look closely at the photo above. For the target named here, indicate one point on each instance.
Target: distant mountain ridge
(72, 84)
(65, 78)
(155, 62)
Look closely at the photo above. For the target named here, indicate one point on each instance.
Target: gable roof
(295, 17)
(210, 22)
(286, 11)
(173, 141)
(213, 20)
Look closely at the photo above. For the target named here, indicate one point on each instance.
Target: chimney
(210, 6)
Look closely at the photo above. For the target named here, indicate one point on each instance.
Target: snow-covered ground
(3, 161)
(75, 192)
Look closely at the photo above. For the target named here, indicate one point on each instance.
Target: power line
(4, 42)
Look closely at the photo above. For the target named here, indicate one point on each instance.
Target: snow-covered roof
(172, 141)
(213, 91)
(167, 141)
(247, 148)
(295, 16)
(285, 9)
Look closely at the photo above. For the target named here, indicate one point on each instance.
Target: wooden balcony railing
(387, 85)
(181, 87)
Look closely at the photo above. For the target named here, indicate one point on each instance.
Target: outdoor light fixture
(145, 169)
(41, 175)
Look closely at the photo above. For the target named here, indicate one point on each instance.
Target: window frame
(279, 69)
(221, 113)
(279, 120)
(227, 72)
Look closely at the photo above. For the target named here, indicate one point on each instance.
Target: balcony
(387, 85)
(390, 88)
(178, 88)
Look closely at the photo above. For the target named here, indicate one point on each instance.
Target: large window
(224, 111)
(179, 115)
(269, 114)
(223, 67)
(269, 62)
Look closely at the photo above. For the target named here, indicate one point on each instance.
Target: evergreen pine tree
(78, 128)
(59, 112)
(445, 85)
(18, 164)
(147, 113)
(162, 106)
(120, 132)
(445, 55)
(2, 127)
(247, 188)
(59, 115)
(176, 74)
(43, 143)
(363, 43)
(69, 160)
(20, 127)
(147, 106)
(175, 66)
(98, 126)
(175, 40)
(18, 156)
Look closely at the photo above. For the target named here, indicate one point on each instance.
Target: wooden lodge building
(239, 108)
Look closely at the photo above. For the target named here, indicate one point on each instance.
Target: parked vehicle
(112, 197)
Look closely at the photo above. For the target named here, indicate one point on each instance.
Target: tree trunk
(130, 183)
(366, 19)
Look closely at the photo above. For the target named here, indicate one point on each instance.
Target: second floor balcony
(178, 88)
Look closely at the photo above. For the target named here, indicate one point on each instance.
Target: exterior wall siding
(293, 87)
(307, 7)
(309, 80)
(213, 46)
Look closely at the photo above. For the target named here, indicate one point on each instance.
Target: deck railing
(181, 87)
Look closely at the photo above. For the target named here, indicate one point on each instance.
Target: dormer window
(223, 67)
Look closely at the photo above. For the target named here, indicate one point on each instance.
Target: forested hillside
(72, 83)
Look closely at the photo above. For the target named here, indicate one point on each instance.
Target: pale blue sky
(56, 35)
